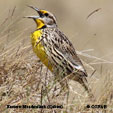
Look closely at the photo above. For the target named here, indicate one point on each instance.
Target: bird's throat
(40, 24)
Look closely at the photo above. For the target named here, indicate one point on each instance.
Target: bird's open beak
(32, 17)
(36, 9)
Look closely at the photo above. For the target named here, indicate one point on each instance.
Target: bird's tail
(84, 83)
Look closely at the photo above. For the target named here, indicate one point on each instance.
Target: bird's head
(45, 19)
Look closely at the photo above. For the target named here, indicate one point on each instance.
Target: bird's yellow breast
(38, 48)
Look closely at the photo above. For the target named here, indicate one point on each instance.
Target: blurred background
(94, 34)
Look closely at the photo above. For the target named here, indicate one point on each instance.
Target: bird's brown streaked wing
(66, 49)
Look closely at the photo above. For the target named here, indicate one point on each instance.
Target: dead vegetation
(25, 81)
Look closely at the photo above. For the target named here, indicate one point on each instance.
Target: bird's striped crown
(45, 19)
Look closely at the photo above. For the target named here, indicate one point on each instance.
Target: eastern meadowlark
(55, 50)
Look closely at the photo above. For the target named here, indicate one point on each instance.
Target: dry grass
(25, 81)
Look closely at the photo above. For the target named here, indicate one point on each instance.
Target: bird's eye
(46, 14)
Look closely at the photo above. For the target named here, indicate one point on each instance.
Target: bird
(55, 50)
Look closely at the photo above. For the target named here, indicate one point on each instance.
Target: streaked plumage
(55, 50)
